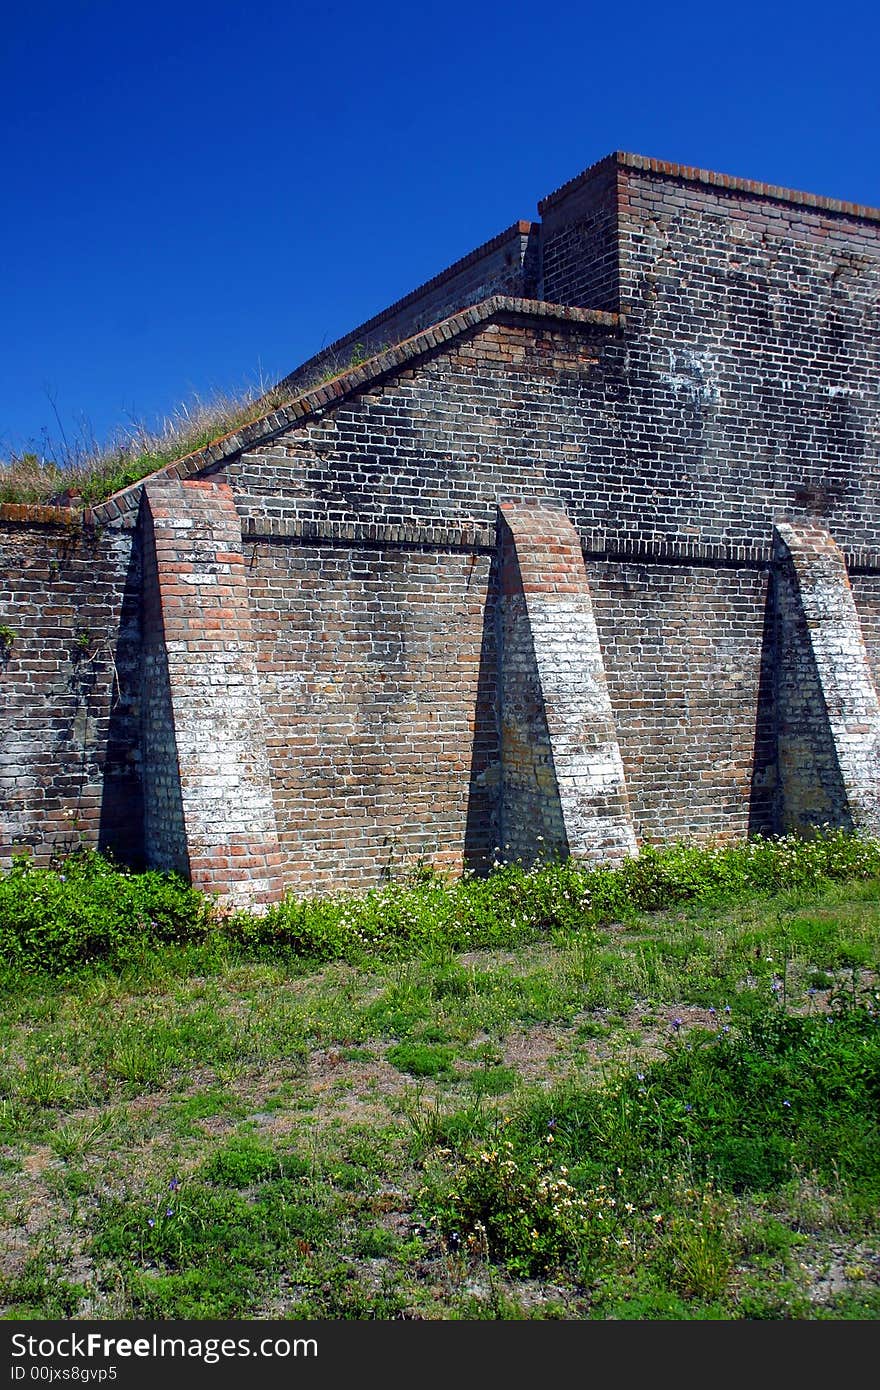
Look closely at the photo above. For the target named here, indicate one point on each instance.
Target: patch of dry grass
(86, 470)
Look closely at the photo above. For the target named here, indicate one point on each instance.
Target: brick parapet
(506, 264)
(686, 173)
(642, 462)
(580, 243)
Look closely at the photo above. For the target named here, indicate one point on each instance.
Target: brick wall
(69, 687)
(683, 656)
(509, 408)
(753, 341)
(378, 684)
(523, 408)
(753, 327)
(866, 596)
(679, 561)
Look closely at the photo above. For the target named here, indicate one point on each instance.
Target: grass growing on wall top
(91, 471)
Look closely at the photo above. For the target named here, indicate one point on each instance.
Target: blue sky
(200, 196)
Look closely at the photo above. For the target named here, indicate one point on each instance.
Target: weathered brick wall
(380, 665)
(753, 327)
(525, 409)
(753, 343)
(69, 686)
(684, 613)
(683, 657)
(512, 408)
(378, 683)
(579, 241)
(866, 596)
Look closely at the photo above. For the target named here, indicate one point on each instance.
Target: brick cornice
(478, 535)
(688, 173)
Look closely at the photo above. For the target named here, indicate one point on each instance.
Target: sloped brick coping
(121, 509)
(36, 514)
(517, 230)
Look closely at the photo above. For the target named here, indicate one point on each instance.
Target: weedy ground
(671, 1115)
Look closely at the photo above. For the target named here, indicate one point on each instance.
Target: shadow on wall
(797, 783)
(484, 781)
(765, 771)
(121, 826)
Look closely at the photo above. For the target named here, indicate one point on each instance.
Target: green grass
(617, 1108)
(93, 913)
(91, 470)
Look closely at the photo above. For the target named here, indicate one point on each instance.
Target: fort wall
(677, 365)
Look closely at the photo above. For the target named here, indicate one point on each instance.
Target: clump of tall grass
(89, 471)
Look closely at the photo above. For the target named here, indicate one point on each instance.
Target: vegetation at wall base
(88, 910)
(654, 1097)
